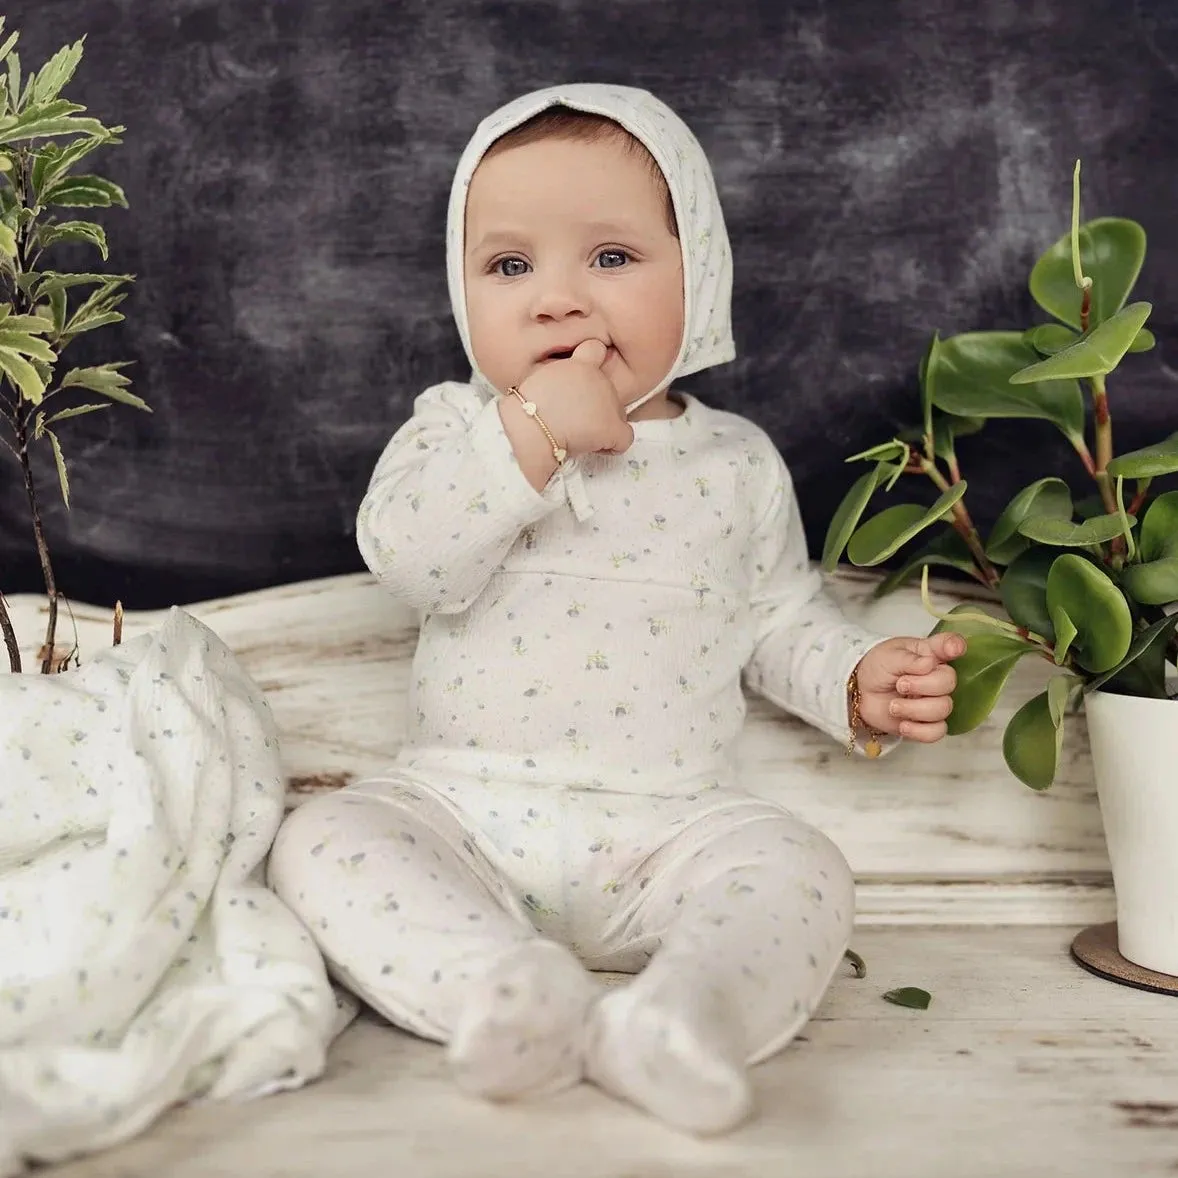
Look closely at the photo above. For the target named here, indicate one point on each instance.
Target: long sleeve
(805, 648)
(446, 501)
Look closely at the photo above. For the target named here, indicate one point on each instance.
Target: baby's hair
(563, 122)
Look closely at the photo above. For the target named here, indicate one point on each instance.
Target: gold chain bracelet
(529, 407)
(873, 748)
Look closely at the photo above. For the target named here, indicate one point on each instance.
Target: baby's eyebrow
(498, 237)
(614, 228)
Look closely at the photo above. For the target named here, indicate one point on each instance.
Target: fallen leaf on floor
(910, 996)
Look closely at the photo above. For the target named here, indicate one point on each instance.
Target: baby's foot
(674, 1053)
(522, 1032)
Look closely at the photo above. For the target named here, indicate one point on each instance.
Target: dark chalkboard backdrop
(887, 168)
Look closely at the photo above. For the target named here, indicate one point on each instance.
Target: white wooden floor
(970, 886)
(1024, 1065)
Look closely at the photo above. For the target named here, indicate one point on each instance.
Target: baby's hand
(905, 685)
(579, 403)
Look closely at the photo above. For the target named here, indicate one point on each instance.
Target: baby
(600, 561)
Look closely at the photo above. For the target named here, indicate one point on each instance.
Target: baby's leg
(412, 914)
(753, 910)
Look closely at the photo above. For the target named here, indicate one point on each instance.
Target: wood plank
(1023, 1066)
(334, 659)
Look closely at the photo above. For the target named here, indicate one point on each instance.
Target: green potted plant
(1088, 584)
(43, 138)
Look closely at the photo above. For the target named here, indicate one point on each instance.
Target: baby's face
(568, 241)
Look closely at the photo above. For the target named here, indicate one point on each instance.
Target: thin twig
(9, 637)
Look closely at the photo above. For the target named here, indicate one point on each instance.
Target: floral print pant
(411, 887)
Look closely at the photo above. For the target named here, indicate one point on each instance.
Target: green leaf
(911, 996)
(982, 672)
(76, 411)
(892, 528)
(50, 280)
(947, 429)
(1049, 338)
(75, 231)
(107, 380)
(927, 375)
(1049, 498)
(1061, 691)
(14, 79)
(1033, 741)
(1083, 594)
(849, 511)
(948, 549)
(7, 241)
(53, 160)
(55, 118)
(1159, 528)
(1023, 588)
(1064, 534)
(1090, 505)
(23, 375)
(33, 324)
(1155, 583)
(84, 192)
(80, 323)
(57, 72)
(972, 379)
(27, 345)
(1065, 635)
(1111, 253)
(62, 476)
(884, 452)
(1143, 341)
(58, 308)
(1094, 354)
(1147, 643)
(1148, 462)
(8, 45)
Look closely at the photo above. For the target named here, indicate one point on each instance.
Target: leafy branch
(43, 137)
(1089, 585)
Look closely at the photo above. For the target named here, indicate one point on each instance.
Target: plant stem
(1104, 435)
(1104, 455)
(1138, 501)
(42, 548)
(9, 637)
(1081, 448)
(23, 306)
(964, 526)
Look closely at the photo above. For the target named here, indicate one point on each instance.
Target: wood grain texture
(933, 833)
(1024, 1066)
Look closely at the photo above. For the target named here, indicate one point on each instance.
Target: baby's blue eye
(618, 259)
(502, 265)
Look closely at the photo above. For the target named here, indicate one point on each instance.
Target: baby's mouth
(566, 354)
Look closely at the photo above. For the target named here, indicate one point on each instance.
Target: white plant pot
(1135, 756)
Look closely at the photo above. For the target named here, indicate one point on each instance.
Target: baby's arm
(446, 501)
(806, 649)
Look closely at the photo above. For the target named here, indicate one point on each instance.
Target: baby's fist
(906, 684)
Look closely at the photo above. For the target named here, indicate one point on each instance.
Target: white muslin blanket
(142, 960)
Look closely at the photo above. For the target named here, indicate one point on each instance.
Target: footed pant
(443, 905)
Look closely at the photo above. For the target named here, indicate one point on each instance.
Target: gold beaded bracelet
(873, 748)
(529, 407)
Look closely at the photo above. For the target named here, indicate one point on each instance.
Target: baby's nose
(558, 298)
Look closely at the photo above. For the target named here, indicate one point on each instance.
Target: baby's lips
(565, 352)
